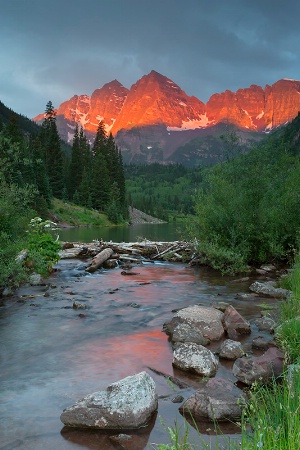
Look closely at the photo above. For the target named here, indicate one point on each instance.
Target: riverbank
(67, 214)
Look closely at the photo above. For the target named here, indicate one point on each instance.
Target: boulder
(231, 349)
(264, 367)
(195, 358)
(205, 320)
(234, 323)
(268, 288)
(218, 400)
(184, 332)
(126, 404)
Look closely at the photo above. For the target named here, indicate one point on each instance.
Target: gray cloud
(53, 50)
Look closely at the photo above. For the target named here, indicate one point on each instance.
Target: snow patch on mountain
(202, 122)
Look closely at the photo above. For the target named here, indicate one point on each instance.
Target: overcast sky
(51, 50)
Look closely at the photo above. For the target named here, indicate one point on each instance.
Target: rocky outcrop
(206, 321)
(155, 100)
(126, 404)
(217, 400)
(196, 359)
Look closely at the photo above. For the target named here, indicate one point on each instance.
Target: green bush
(42, 246)
(246, 209)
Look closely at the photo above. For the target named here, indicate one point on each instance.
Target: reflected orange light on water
(117, 357)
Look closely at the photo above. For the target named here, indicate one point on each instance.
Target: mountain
(25, 124)
(155, 119)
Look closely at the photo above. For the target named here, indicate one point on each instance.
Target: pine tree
(53, 154)
(76, 166)
(100, 179)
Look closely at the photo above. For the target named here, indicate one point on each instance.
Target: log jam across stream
(81, 331)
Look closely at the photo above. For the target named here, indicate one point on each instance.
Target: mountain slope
(155, 118)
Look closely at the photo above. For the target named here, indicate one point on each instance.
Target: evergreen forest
(36, 167)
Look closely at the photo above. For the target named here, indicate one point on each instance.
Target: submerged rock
(218, 400)
(206, 321)
(126, 404)
(265, 324)
(261, 343)
(195, 358)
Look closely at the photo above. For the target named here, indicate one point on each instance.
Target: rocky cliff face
(156, 100)
(155, 117)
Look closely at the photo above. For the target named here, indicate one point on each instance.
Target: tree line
(35, 167)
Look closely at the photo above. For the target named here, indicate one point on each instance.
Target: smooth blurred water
(51, 355)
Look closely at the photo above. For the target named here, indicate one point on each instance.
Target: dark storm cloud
(52, 50)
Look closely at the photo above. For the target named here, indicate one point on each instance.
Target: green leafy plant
(42, 245)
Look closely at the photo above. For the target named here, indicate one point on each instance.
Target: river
(155, 232)
(53, 355)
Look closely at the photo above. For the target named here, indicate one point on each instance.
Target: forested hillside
(164, 191)
(35, 168)
(247, 209)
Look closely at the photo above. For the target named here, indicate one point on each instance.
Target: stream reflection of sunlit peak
(127, 354)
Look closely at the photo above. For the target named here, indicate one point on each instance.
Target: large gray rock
(184, 332)
(126, 404)
(231, 349)
(218, 400)
(195, 358)
(234, 323)
(268, 288)
(262, 368)
(206, 321)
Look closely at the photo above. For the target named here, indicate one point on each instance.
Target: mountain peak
(156, 102)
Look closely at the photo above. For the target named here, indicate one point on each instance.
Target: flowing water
(53, 355)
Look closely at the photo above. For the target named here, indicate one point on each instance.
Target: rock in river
(206, 321)
(263, 367)
(218, 399)
(231, 349)
(195, 358)
(126, 404)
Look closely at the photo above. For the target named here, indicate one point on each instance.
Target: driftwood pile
(132, 252)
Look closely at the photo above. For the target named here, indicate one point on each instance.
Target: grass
(273, 414)
(77, 215)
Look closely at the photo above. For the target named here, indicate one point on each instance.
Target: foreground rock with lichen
(126, 404)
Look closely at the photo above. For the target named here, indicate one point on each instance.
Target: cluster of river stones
(131, 402)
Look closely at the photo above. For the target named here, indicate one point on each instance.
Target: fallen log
(99, 259)
(166, 251)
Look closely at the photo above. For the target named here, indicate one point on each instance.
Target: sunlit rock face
(282, 102)
(244, 108)
(156, 100)
(155, 119)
